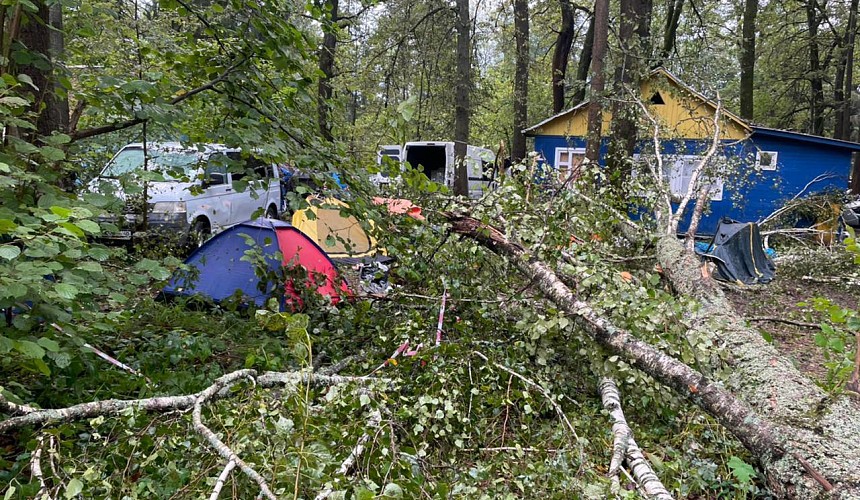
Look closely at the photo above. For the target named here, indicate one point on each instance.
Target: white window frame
(563, 170)
(774, 155)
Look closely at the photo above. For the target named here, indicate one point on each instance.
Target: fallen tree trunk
(822, 429)
(771, 443)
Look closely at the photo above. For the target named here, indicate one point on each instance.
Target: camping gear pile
(738, 252)
(325, 249)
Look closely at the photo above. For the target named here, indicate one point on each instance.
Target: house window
(567, 162)
(766, 160)
(679, 172)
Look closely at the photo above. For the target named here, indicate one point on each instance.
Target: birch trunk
(782, 418)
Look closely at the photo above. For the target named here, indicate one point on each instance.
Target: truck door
(216, 200)
(253, 178)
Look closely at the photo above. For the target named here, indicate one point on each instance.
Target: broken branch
(624, 446)
(166, 403)
(219, 484)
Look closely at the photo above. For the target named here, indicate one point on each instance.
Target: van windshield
(172, 163)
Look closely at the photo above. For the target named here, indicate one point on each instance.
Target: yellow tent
(338, 235)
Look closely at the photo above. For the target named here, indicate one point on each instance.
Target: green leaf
(99, 253)
(61, 211)
(74, 488)
(7, 226)
(57, 139)
(741, 470)
(71, 230)
(362, 493)
(42, 367)
(50, 153)
(14, 102)
(364, 399)
(9, 252)
(9, 493)
(392, 490)
(30, 349)
(88, 226)
(26, 79)
(836, 344)
(50, 345)
(91, 267)
(66, 290)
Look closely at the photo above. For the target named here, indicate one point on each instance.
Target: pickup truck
(190, 193)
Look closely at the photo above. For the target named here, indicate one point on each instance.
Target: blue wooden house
(768, 166)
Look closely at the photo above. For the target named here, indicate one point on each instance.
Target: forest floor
(782, 311)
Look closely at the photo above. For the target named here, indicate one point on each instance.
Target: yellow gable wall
(683, 116)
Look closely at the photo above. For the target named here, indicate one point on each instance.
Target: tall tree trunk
(673, 19)
(748, 58)
(584, 63)
(326, 65)
(462, 107)
(839, 87)
(849, 71)
(561, 54)
(598, 80)
(45, 47)
(816, 78)
(521, 79)
(633, 35)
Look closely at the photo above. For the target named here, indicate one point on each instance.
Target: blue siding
(800, 159)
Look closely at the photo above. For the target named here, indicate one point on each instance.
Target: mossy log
(825, 432)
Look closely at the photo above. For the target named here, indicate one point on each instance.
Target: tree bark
(326, 65)
(521, 79)
(848, 92)
(748, 58)
(816, 78)
(584, 63)
(598, 79)
(561, 54)
(795, 430)
(839, 89)
(673, 19)
(462, 106)
(633, 37)
(46, 47)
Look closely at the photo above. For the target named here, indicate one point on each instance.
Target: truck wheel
(200, 232)
(271, 212)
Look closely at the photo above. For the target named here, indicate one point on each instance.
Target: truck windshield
(172, 163)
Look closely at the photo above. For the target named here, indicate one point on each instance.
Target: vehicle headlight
(169, 207)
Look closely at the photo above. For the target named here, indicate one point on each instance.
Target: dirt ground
(764, 305)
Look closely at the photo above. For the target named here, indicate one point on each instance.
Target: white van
(202, 192)
(437, 160)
